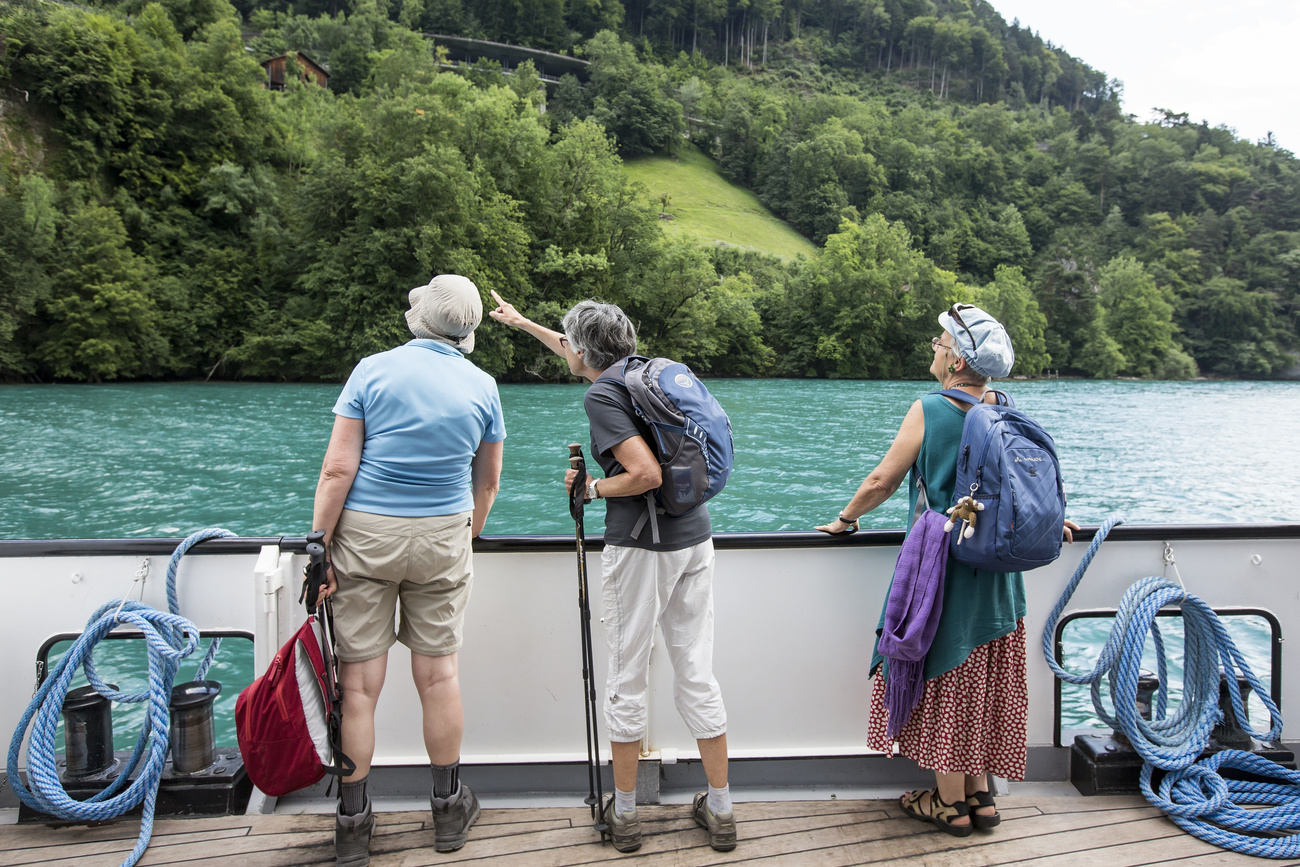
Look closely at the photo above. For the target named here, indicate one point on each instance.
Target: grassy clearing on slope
(707, 206)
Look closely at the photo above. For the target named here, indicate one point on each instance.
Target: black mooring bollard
(1148, 683)
(193, 737)
(87, 731)
(1231, 734)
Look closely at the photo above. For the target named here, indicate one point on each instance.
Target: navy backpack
(1008, 464)
(691, 434)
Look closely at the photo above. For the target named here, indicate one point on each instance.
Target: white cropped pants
(675, 590)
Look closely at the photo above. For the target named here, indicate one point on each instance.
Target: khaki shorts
(426, 564)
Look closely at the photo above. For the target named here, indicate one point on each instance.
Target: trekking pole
(315, 578)
(577, 497)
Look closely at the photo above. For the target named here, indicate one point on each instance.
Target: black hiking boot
(352, 837)
(452, 817)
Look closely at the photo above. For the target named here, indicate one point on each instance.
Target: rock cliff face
(23, 136)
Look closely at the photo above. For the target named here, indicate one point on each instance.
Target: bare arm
(643, 473)
(342, 459)
(485, 469)
(508, 315)
(881, 483)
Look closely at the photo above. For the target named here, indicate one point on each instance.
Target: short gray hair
(971, 375)
(602, 331)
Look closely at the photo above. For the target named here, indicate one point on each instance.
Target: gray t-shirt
(613, 420)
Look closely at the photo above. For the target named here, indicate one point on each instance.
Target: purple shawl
(912, 616)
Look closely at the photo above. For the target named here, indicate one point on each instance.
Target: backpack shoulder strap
(958, 394)
(1003, 398)
(624, 363)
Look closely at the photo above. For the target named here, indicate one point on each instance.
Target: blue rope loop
(169, 639)
(1193, 792)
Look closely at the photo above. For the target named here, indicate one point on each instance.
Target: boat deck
(1036, 830)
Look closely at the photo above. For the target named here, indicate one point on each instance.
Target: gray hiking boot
(452, 817)
(721, 826)
(624, 830)
(352, 837)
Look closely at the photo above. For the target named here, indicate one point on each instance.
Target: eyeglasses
(566, 343)
(955, 313)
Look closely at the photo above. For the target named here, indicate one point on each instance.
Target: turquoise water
(125, 662)
(165, 459)
(1081, 643)
(142, 460)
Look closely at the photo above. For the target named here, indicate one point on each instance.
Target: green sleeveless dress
(977, 606)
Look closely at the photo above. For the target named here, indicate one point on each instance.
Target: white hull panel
(795, 624)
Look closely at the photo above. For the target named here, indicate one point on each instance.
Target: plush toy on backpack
(965, 510)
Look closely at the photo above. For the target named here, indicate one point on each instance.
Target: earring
(952, 368)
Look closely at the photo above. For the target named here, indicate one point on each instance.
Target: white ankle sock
(624, 802)
(720, 800)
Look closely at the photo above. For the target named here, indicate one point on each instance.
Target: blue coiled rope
(170, 638)
(1193, 793)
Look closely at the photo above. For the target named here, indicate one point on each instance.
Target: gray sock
(353, 796)
(446, 779)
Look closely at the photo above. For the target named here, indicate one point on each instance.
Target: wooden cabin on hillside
(311, 71)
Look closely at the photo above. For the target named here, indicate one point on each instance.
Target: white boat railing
(795, 619)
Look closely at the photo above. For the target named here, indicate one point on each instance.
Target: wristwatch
(592, 493)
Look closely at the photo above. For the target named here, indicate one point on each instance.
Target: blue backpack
(691, 434)
(1008, 464)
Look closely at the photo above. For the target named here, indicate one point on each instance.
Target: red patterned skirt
(972, 719)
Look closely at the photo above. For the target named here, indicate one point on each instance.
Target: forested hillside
(164, 215)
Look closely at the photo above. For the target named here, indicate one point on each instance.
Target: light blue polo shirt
(426, 409)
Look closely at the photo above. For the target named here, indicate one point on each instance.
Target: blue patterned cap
(980, 340)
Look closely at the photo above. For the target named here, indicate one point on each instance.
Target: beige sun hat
(447, 308)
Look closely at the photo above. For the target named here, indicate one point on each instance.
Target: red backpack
(288, 720)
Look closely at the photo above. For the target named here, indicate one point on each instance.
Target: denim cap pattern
(991, 354)
(447, 308)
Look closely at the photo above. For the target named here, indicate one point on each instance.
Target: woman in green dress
(972, 717)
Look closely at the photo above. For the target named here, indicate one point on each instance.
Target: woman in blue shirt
(410, 474)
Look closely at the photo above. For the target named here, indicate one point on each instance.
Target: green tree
(1009, 300)
(1232, 330)
(26, 237)
(1098, 355)
(630, 99)
(101, 321)
(861, 309)
(1139, 317)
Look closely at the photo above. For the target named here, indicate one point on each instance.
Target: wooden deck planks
(1035, 832)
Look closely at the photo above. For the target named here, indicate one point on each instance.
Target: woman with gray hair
(969, 719)
(410, 474)
(645, 581)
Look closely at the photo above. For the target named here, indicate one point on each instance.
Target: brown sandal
(980, 800)
(941, 814)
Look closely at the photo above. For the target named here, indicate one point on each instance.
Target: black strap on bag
(315, 578)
